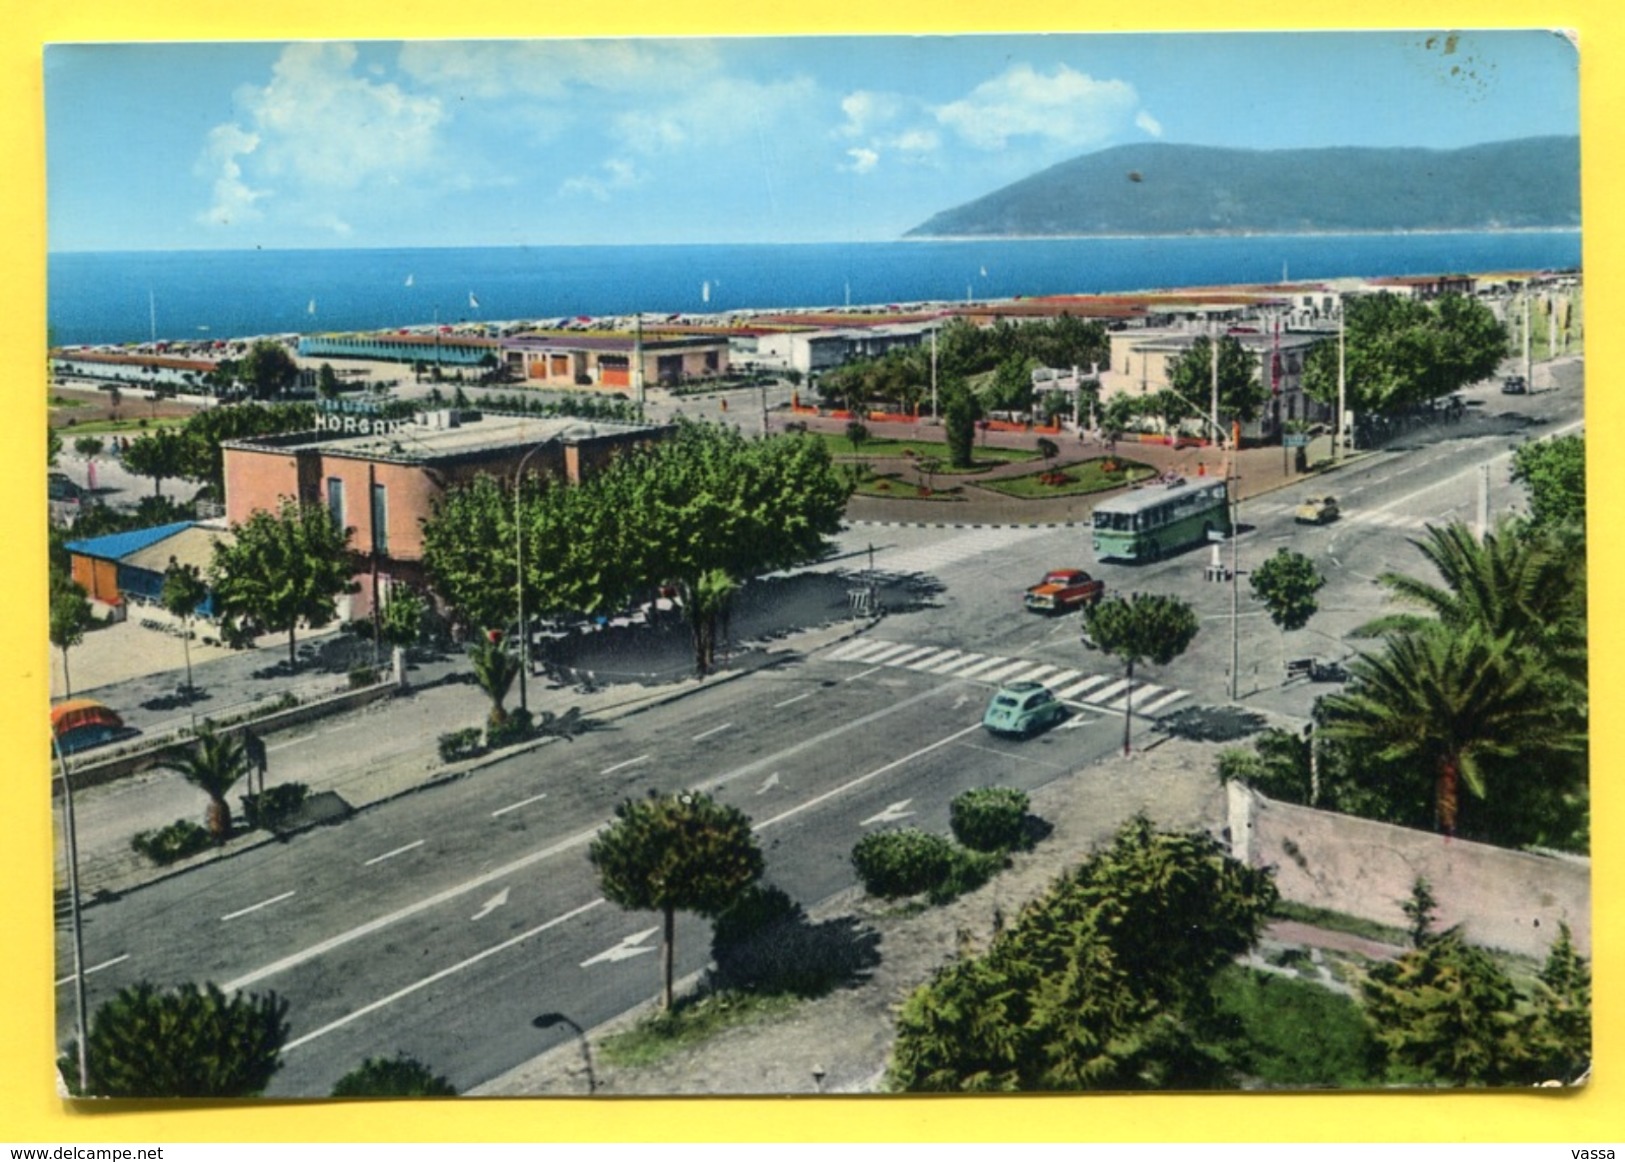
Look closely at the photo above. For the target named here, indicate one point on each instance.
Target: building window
(335, 500)
(380, 520)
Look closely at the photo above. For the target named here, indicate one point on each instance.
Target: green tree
(398, 1076)
(495, 668)
(469, 551)
(678, 852)
(214, 765)
(162, 455)
(1561, 1034)
(189, 1043)
(1287, 583)
(283, 568)
(1010, 389)
(1445, 1014)
(184, 592)
(1449, 702)
(1554, 473)
(327, 382)
(1241, 392)
(88, 446)
(401, 622)
(1103, 983)
(268, 370)
(71, 616)
(1144, 627)
(959, 415)
(1400, 352)
(856, 433)
(204, 432)
(53, 445)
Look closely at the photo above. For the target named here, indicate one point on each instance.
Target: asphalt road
(441, 923)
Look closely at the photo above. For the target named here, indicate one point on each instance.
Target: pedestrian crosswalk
(1372, 518)
(1099, 691)
(962, 545)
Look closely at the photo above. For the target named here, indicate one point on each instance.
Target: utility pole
(934, 325)
(1342, 385)
(1528, 370)
(72, 839)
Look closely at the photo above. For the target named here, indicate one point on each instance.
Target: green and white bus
(1161, 518)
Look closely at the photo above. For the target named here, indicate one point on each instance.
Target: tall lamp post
(72, 840)
(549, 1020)
(519, 570)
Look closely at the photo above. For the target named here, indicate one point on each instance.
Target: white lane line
(883, 657)
(1004, 671)
(392, 854)
(293, 960)
(865, 673)
(521, 803)
(954, 663)
(627, 763)
(94, 968)
(704, 734)
(256, 907)
(439, 976)
(789, 701)
(972, 671)
(1109, 692)
(1165, 700)
(850, 651)
(1072, 692)
(914, 655)
(861, 779)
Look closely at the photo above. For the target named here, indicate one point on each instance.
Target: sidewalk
(401, 757)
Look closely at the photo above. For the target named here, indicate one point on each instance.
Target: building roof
(415, 443)
(191, 546)
(117, 546)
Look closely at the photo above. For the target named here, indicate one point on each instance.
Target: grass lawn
(131, 427)
(876, 448)
(691, 1020)
(1289, 1032)
(1082, 479)
(897, 488)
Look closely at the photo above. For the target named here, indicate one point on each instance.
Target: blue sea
(128, 297)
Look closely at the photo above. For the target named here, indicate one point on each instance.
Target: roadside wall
(1510, 900)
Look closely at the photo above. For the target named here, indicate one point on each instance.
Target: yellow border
(32, 1112)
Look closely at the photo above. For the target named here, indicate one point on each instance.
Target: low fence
(1511, 900)
(94, 769)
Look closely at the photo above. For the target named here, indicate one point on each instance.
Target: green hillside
(1191, 189)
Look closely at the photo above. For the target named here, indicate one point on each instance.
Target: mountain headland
(1161, 189)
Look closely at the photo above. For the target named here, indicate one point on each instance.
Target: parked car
(1021, 709)
(1514, 385)
(1318, 510)
(1062, 590)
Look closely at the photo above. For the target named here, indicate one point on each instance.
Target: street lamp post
(519, 572)
(550, 1020)
(72, 840)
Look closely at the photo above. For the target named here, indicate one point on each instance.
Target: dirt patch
(87, 405)
(847, 1036)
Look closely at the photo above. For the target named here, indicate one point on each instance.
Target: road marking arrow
(890, 815)
(771, 782)
(962, 700)
(491, 905)
(625, 950)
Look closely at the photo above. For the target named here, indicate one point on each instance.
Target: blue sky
(503, 143)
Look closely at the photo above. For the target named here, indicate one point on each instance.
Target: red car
(1062, 590)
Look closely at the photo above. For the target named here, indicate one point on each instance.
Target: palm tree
(213, 766)
(495, 669)
(1450, 700)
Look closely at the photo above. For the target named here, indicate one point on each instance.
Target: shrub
(180, 839)
(990, 818)
(515, 727)
(968, 871)
(893, 864)
(362, 676)
(276, 805)
(457, 745)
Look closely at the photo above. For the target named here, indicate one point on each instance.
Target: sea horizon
(123, 297)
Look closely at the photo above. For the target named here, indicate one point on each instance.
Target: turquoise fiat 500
(1022, 708)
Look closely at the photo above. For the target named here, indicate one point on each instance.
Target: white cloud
(866, 111)
(863, 160)
(720, 112)
(1064, 107)
(317, 130)
(1148, 123)
(233, 199)
(550, 68)
(618, 174)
